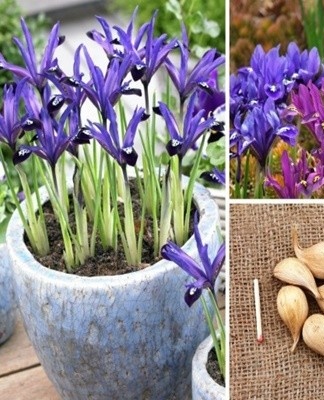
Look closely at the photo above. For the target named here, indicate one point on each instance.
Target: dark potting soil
(213, 368)
(106, 261)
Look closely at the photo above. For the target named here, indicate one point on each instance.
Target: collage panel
(276, 353)
(276, 99)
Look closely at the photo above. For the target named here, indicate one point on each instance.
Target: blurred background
(273, 22)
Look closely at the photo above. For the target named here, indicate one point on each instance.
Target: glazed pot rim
(199, 363)
(19, 253)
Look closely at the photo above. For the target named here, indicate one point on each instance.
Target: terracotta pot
(203, 386)
(7, 301)
(123, 337)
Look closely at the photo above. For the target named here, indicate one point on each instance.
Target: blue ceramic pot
(121, 337)
(7, 303)
(203, 386)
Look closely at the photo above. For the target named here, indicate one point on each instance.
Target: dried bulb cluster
(292, 303)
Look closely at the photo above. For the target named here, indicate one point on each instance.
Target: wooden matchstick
(260, 337)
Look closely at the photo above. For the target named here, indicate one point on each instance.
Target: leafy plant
(313, 21)
(7, 207)
(212, 258)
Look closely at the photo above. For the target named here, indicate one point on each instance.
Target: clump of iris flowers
(42, 123)
(278, 97)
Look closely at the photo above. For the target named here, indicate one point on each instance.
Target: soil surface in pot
(106, 261)
(213, 369)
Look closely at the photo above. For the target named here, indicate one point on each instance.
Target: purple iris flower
(187, 81)
(206, 277)
(148, 60)
(31, 71)
(307, 102)
(213, 98)
(104, 89)
(10, 128)
(302, 66)
(214, 176)
(299, 180)
(271, 68)
(70, 87)
(52, 139)
(238, 142)
(261, 126)
(112, 46)
(109, 139)
(244, 92)
(193, 127)
(104, 40)
(156, 51)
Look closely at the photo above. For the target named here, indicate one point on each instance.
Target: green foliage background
(204, 19)
(9, 27)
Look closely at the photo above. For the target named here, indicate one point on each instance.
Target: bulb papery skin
(312, 257)
(295, 272)
(293, 310)
(313, 333)
(320, 301)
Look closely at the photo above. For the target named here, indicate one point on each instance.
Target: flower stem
(14, 196)
(259, 179)
(129, 220)
(190, 188)
(147, 98)
(219, 344)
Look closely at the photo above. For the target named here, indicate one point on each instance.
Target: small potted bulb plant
(102, 310)
(212, 255)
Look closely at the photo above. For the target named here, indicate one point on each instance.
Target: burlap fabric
(260, 236)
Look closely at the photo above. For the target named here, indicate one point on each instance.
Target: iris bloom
(104, 89)
(238, 142)
(109, 139)
(261, 126)
(244, 91)
(51, 139)
(70, 87)
(214, 176)
(212, 98)
(111, 45)
(32, 71)
(187, 81)
(10, 128)
(149, 59)
(270, 67)
(204, 277)
(308, 103)
(193, 127)
(302, 66)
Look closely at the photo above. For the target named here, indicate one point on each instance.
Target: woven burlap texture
(260, 237)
